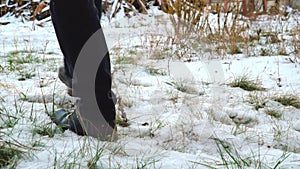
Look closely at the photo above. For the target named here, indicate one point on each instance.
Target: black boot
(67, 120)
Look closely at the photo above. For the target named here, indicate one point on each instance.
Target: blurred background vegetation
(189, 10)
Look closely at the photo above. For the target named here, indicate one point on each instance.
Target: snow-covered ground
(182, 113)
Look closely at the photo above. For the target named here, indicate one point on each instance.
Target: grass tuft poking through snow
(8, 156)
(244, 83)
(257, 100)
(288, 100)
(11, 151)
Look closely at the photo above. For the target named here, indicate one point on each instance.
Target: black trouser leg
(104, 95)
(75, 22)
(98, 4)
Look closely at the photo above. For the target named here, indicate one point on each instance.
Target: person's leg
(98, 4)
(104, 95)
(64, 72)
(75, 23)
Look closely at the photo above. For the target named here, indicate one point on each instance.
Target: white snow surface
(168, 128)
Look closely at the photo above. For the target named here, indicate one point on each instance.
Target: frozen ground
(182, 112)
